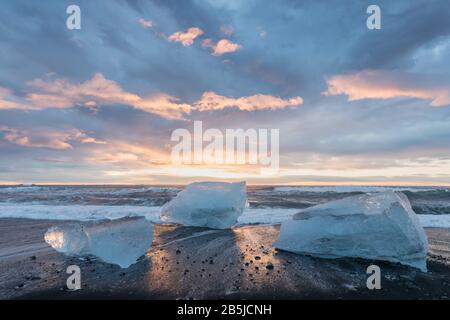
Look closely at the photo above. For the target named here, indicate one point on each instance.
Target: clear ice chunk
(121, 241)
(379, 226)
(214, 205)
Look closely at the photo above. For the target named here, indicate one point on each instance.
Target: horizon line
(306, 184)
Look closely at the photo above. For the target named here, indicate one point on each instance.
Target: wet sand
(199, 263)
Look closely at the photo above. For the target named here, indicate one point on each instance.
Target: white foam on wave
(345, 189)
(90, 212)
(22, 188)
(266, 215)
(77, 212)
(434, 221)
(84, 189)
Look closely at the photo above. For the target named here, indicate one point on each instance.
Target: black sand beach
(199, 263)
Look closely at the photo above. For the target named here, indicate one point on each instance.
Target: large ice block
(207, 204)
(120, 241)
(379, 226)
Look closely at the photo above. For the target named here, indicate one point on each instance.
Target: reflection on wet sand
(201, 263)
(187, 260)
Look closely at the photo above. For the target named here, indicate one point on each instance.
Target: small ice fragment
(379, 226)
(120, 241)
(70, 239)
(214, 205)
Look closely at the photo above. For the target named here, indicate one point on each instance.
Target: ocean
(267, 204)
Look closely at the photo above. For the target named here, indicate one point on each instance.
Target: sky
(98, 105)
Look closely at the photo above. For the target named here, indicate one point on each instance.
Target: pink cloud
(227, 30)
(99, 91)
(9, 101)
(187, 37)
(120, 153)
(61, 93)
(221, 47)
(56, 140)
(208, 43)
(213, 101)
(164, 105)
(64, 94)
(146, 23)
(378, 84)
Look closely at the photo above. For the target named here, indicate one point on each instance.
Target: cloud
(52, 139)
(262, 33)
(187, 37)
(381, 84)
(81, 136)
(118, 157)
(146, 23)
(98, 91)
(61, 93)
(208, 43)
(221, 47)
(227, 30)
(213, 101)
(164, 105)
(126, 153)
(9, 101)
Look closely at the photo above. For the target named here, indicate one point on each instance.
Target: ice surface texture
(120, 241)
(379, 226)
(207, 204)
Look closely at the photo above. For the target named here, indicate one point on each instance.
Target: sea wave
(87, 213)
(85, 189)
(88, 195)
(354, 189)
(76, 212)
